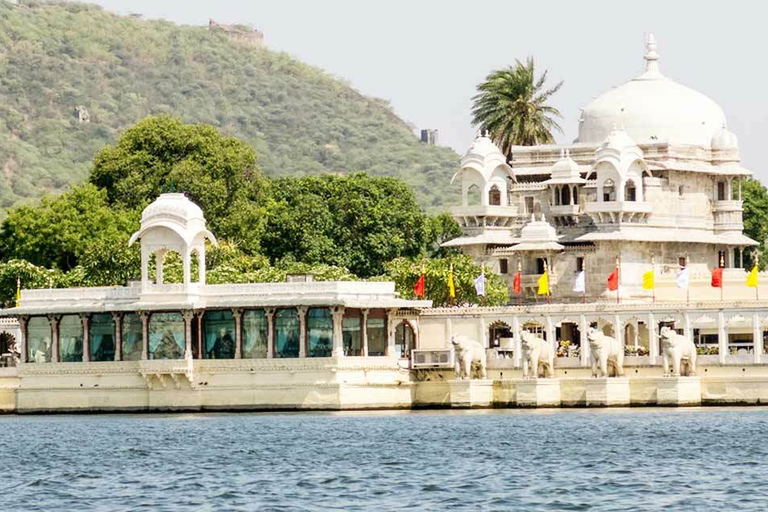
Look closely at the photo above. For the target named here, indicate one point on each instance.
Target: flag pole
(722, 276)
(688, 288)
(546, 272)
(520, 274)
(618, 280)
(653, 288)
(584, 292)
(450, 280)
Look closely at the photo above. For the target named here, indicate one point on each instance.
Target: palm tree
(511, 106)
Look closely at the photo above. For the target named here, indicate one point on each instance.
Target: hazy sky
(426, 57)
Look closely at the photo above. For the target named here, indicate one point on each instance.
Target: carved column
(144, 315)
(391, 326)
(365, 332)
(687, 331)
(54, 321)
(483, 333)
(618, 328)
(24, 341)
(187, 315)
(722, 337)
(757, 337)
(551, 333)
(583, 341)
(653, 340)
(301, 311)
(237, 313)
(338, 337)
(517, 357)
(159, 265)
(270, 314)
(118, 319)
(200, 314)
(85, 318)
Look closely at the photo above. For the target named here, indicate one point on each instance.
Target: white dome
(725, 139)
(652, 108)
(174, 206)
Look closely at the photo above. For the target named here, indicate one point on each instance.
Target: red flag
(613, 280)
(418, 290)
(517, 284)
(717, 277)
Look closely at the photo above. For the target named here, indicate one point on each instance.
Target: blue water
(646, 459)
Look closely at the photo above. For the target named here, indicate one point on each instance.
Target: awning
(486, 238)
(530, 247)
(646, 234)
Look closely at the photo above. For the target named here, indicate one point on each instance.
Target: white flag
(480, 284)
(580, 285)
(683, 278)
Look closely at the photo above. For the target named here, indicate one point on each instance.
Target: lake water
(646, 459)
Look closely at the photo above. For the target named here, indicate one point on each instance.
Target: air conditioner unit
(423, 358)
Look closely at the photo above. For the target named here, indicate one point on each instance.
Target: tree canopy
(755, 204)
(511, 104)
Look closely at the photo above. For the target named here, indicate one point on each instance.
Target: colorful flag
(580, 285)
(684, 278)
(517, 285)
(648, 281)
(717, 277)
(480, 284)
(451, 288)
(18, 292)
(613, 280)
(752, 278)
(544, 284)
(418, 289)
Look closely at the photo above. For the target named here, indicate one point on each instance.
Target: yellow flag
(451, 288)
(18, 292)
(544, 284)
(752, 278)
(648, 283)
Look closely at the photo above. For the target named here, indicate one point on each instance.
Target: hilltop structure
(652, 181)
(240, 34)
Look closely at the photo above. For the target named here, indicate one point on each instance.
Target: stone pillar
(237, 313)
(201, 264)
(24, 341)
(302, 312)
(483, 335)
(365, 332)
(118, 319)
(722, 337)
(583, 341)
(144, 267)
(551, 333)
(618, 328)
(187, 267)
(85, 318)
(270, 314)
(338, 337)
(187, 315)
(687, 330)
(757, 336)
(516, 355)
(200, 314)
(391, 326)
(54, 321)
(159, 266)
(144, 315)
(740, 180)
(653, 339)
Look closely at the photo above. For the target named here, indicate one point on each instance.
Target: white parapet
(678, 391)
(607, 392)
(467, 393)
(538, 392)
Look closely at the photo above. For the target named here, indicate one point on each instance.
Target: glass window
(503, 266)
(352, 333)
(219, 332)
(133, 342)
(71, 338)
(255, 332)
(404, 340)
(166, 336)
(494, 196)
(102, 337)
(39, 340)
(377, 335)
(319, 332)
(286, 333)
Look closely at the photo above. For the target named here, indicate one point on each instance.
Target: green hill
(56, 57)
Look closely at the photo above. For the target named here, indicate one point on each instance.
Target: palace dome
(652, 108)
(173, 206)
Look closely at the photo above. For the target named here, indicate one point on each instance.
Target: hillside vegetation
(300, 120)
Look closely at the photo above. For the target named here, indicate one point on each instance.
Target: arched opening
(557, 196)
(609, 190)
(575, 195)
(405, 339)
(630, 192)
(494, 196)
(565, 195)
(7, 342)
(194, 270)
(500, 335)
(473, 195)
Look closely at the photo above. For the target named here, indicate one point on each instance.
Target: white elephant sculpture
(468, 351)
(676, 348)
(537, 351)
(605, 351)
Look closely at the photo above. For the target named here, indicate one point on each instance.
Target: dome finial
(651, 55)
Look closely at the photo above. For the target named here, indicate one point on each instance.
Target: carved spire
(651, 56)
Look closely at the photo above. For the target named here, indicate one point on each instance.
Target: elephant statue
(468, 351)
(537, 351)
(605, 351)
(676, 348)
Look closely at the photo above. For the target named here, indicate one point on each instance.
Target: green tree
(61, 230)
(28, 275)
(441, 228)
(162, 154)
(357, 222)
(755, 198)
(512, 105)
(405, 272)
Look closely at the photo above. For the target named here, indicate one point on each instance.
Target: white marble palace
(653, 178)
